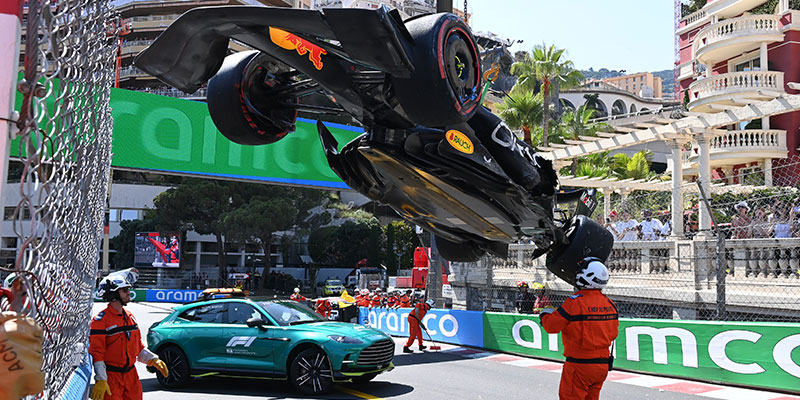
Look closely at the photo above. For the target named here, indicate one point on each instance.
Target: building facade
(732, 52)
(643, 84)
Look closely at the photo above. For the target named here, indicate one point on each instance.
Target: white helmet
(592, 274)
(297, 290)
(364, 291)
(115, 281)
(430, 303)
(9, 279)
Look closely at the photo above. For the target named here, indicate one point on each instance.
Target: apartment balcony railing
(732, 37)
(692, 20)
(722, 88)
(740, 146)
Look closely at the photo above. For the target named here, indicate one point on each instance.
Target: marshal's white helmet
(592, 274)
(297, 290)
(429, 302)
(115, 281)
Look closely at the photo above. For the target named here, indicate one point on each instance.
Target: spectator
(782, 225)
(742, 224)
(760, 227)
(611, 223)
(666, 225)
(627, 227)
(650, 228)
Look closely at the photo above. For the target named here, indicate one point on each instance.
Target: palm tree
(593, 165)
(577, 123)
(636, 167)
(522, 110)
(593, 103)
(547, 67)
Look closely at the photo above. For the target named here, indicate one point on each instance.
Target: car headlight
(345, 339)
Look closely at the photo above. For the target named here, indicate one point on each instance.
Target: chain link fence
(743, 264)
(64, 145)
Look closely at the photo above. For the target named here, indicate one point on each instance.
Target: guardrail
(761, 24)
(735, 82)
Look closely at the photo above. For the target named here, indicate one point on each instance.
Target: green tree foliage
(124, 242)
(522, 110)
(400, 241)
(636, 167)
(348, 243)
(196, 205)
(545, 65)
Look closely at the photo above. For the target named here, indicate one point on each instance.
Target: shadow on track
(274, 389)
(429, 357)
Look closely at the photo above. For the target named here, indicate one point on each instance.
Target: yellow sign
(459, 141)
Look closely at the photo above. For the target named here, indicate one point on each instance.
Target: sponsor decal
(755, 354)
(448, 326)
(459, 141)
(245, 341)
(172, 295)
(290, 41)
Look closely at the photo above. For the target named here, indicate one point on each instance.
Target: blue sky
(634, 35)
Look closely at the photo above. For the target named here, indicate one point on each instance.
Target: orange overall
(414, 321)
(588, 322)
(115, 339)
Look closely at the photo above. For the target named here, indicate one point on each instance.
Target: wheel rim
(313, 373)
(461, 68)
(174, 362)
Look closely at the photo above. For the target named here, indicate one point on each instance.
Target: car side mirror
(256, 322)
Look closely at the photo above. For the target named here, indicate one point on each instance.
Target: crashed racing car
(430, 150)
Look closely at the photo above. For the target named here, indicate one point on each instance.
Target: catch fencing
(64, 145)
(743, 264)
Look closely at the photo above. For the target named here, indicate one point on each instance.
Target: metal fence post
(720, 254)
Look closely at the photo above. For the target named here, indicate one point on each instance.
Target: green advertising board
(754, 354)
(171, 135)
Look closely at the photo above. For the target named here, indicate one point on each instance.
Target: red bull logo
(290, 41)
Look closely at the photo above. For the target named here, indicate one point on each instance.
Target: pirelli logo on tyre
(459, 141)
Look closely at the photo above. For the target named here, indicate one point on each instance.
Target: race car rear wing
(191, 50)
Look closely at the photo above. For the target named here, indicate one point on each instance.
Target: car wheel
(310, 372)
(445, 86)
(458, 252)
(584, 238)
(243, 100)
(178, 366)
(363, 378)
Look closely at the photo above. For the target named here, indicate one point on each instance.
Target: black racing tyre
(240, 103)
(310, 372)
(364, 378)
(458, 252)
(177, 365)
(585, 238)
(445, 87)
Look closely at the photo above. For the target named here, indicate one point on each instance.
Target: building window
(9, 242)
(8, 213)
(749, 65)
(129, 215)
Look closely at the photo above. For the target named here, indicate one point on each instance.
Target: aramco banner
(754, 354)
(170, 135)
(446, 326)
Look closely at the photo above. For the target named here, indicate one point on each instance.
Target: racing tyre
(243, 99)
(458, 252)
(363, 378)
(585, 238)
(445, 86)
(310, 372)
(178, 366)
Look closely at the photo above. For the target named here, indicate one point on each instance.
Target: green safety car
(279, 339)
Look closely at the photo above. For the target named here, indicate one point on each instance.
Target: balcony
(732, 37)
(734, 89)
(739, 147)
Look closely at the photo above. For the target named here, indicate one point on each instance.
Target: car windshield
(334, 282)
(290, 312)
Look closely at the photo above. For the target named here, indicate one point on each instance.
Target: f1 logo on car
(245, 341)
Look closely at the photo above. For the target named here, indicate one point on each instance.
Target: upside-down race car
(430, 150)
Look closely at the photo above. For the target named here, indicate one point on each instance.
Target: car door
(202, 335)
(250, 348)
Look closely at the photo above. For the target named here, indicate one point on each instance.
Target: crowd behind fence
(656, 274)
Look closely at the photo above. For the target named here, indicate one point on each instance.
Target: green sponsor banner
(170, 135)
(137, 295)
(763, 355)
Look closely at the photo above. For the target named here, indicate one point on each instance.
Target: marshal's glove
(160, 366)
(100, 390)
(546, 311)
